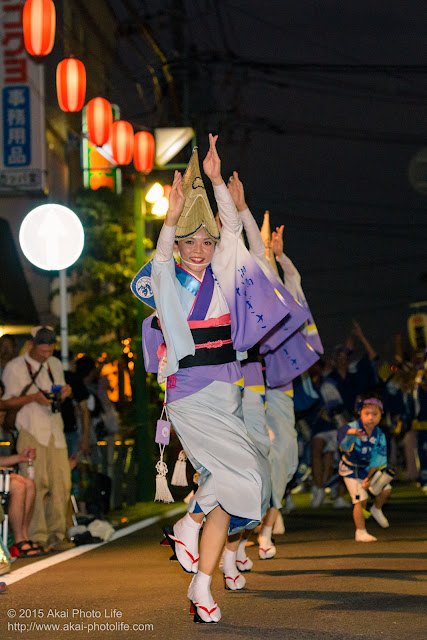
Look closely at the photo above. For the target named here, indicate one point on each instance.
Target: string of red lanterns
(122, 142)
(39, 25)
(71, 84)
(143, 153)
(99, 120)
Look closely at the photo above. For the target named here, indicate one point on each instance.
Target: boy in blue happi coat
(364, 451)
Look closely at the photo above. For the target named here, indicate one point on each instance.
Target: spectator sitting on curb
(21, 505)
(40, 426)
(22, 490)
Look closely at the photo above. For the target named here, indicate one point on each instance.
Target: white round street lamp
(52, 238)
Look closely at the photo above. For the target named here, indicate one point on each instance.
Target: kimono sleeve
(379, 452)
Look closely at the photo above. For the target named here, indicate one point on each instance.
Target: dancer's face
(370, 416)
(196, 252)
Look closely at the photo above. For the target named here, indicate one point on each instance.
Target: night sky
(320, 106)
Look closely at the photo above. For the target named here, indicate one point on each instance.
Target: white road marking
(35, 567)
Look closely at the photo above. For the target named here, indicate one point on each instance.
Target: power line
(339, 88)
(293, 29)
(366, 264)
(387, 207)
(404, 302)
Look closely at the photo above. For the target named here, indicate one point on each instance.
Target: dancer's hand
(237, 192)
(277, 241)
(356, 432)
(212, 163)
(176, 201)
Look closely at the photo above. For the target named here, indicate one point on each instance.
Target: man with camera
(40, 426)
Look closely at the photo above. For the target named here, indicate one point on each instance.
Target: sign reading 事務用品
(22, 117)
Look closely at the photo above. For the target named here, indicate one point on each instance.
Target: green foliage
(105, 308)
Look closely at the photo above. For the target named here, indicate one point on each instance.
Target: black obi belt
(213, 346)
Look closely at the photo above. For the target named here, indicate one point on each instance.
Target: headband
(375, 401)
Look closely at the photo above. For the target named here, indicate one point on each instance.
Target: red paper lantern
(39, 23)
(71, 84)
(167, 190)
(99, 119)
(143, 153)
(122, 141)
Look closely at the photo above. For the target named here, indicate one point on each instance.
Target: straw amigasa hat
(266, 236)
(197, 211)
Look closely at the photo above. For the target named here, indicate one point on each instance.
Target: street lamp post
(52, 238)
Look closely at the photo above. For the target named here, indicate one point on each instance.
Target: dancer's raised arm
(212, 163)
(176, 201)
(230, 220)
(237, 192)
(166, 240)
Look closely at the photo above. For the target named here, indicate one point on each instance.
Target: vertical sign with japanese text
(22, 113)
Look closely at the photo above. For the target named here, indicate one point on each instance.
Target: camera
(55, 395)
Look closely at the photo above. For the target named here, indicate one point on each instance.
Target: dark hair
(44, 336)
(84, 366)
(2, 387)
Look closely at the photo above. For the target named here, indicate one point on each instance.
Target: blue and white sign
(16, 127)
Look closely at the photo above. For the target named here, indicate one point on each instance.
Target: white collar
(35, 364)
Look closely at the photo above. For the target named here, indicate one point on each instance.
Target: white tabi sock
(241, 551)
(186, 531)
(199, 592)
(266, 549)
(243, 562)
(233, 579)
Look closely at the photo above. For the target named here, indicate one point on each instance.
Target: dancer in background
(364, 451)
(281, 368)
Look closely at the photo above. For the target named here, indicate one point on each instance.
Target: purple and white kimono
(293, 284)
(286, 354)
(206, 326)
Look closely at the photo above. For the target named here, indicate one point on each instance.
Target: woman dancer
(208, 308)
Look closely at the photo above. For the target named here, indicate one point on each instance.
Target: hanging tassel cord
(163, 493)
(179, 477)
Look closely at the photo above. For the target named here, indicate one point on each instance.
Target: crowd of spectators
(326, 399)
(53, 421)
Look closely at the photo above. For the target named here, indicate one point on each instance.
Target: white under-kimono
(200, 323)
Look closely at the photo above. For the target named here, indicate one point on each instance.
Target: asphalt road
(321, 585)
